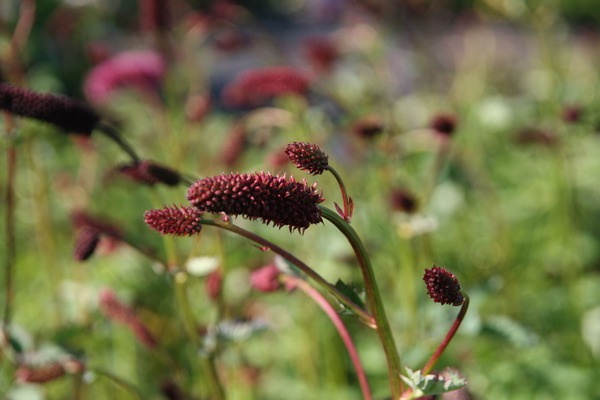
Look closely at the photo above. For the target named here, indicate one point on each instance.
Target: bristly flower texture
(442, 286)
(308, 157)
(177, 221)
(254, 87)
(272, 199)
(140, 69)
(68, 114)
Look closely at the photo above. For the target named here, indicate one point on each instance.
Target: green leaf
(350, 291)
(428, 385)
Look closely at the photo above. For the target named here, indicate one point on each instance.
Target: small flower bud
(177, 221)
(85, 243)
(265, 279)
(444, 124)
(402, 200)
(272, 199)
(308, 157)
(442, 286)
(68, 114)
(150, 173)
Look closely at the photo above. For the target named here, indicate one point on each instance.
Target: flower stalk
(374, 300)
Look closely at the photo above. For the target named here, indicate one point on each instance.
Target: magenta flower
(279, 200)
(265, 279)
(143, 70)
(442, 286)
(256, 86)
(308, 157)
(68, 114)
(177, 221)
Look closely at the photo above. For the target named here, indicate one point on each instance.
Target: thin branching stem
(339, 325)
(362, 314)
(374, 300)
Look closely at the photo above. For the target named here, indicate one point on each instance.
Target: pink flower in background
(143, 70)
(256, 86)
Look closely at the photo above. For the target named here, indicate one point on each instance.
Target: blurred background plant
(467, 135)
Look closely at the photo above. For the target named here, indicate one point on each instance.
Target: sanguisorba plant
(297, 205)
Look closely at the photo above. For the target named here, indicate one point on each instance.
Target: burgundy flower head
(368, 127)
(402, 200)
(572, 114)
(68, 114)
(150, 173)
(528, 136)
(177, 221)
(322, 53)
(308, 157)
(272, 199)
(48, 372)
(85, 243)
(442, 286)
(154, 15)
(254, 87)
(444, 124)
(82, 220)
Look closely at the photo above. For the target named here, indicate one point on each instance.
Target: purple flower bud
(85, 243)
(308, 157)
(442, 286)
(68, 114)
(279, 200)
(178, 221)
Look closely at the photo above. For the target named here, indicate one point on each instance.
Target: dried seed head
(85, 243)
(68, 114)
(150, 173)
(279, 200)
(120, 313)
(308, 157)
(254, 87)
(177, 221)
(442, 286)
(265, 279)
(444, 124)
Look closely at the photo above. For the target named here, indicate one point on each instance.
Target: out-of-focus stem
(374, 300)
(362, 314)
(459, 318)
(9, 199)
(339, 325)
(118, 381)
(112, 134)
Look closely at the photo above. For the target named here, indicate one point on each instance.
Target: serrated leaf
(350, 292)
(429, 385)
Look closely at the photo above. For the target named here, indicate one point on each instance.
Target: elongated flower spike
(272, 199)
(443, 287)
(86, 242)
(177, 221)
(308, 157)
(68, 114)
(150, 173)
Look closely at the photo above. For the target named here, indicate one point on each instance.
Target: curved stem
(111, 133)
(339, 325)
(459, 318)
(118, 381)
(375, 302)
(348, 206)
(362, 314)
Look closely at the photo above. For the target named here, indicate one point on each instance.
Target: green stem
(112, 134)
(374, 300)
(362, 314)
(459, 318)
(9, 198)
